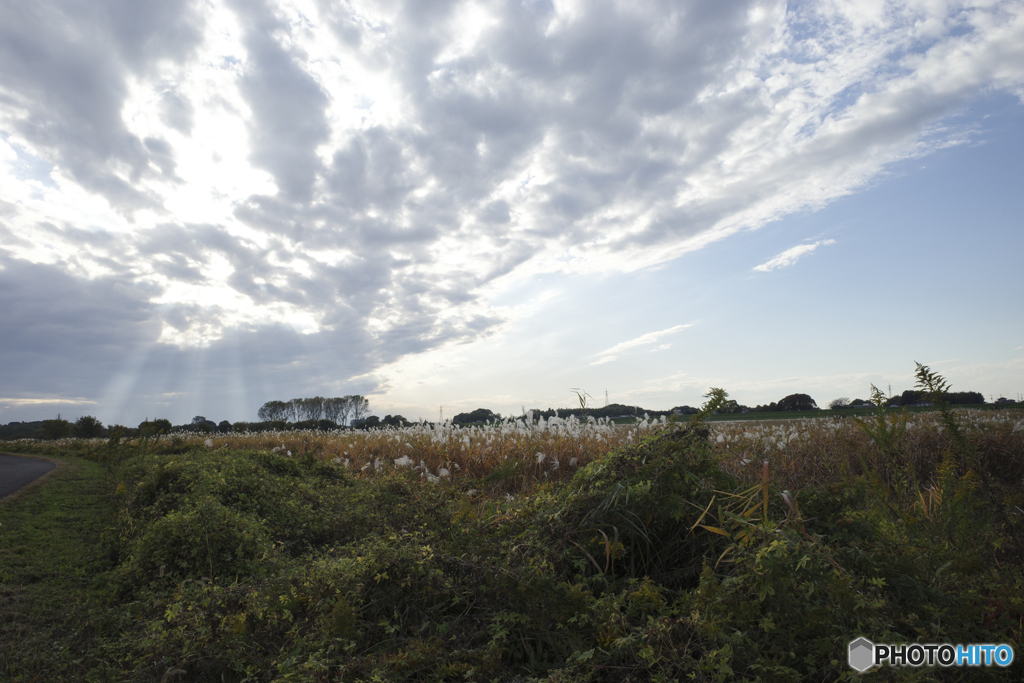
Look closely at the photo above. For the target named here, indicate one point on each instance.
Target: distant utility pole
(440, 414)
(605, 398)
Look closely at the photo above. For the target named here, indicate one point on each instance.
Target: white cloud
(612, 353)
(791, 256)
(44, 401)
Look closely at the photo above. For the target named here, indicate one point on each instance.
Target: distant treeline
(338, 410)
(93, 428)
(88, 427)
(955, 398)
(85, 427)
(614, 410)
(793, 402)
(611, 410)
(299, 413)
(805, 402)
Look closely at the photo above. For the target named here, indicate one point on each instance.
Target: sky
(208, 205)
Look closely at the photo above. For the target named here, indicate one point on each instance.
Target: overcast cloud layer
(290, 195)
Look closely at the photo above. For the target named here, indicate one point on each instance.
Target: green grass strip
(50, 552)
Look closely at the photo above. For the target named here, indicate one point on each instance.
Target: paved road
(16, 472)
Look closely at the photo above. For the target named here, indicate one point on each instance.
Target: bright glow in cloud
(791, 256)
(45, 401)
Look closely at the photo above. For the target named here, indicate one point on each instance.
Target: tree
(201, 424)
(56, 429)
(478, 415)
(366, 422)
(336, 409)
(273, 411)
(314, 408)
(964, 398)
(301, 408)
(224, 427)
(909, 397)
(797, 402)
(685, 410)
(731, 407)
(358, 406)
(88, 427)
(394, 421)
(152, 428)
(840, 402)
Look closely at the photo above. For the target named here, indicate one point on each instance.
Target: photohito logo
(862, 654)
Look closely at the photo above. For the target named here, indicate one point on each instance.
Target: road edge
(61, 466)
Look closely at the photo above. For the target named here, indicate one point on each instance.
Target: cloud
(287, 104)
(65, 334)
(791, 256)
(177, 112)
(612, 353)
(45, 401)
(64, 68)
(370, 174)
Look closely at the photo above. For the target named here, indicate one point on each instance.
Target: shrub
(203, 539)
(56, 429)
(88, 427)
(640, 503)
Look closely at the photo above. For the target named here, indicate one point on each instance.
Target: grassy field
(559, 551)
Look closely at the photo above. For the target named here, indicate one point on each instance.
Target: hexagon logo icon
(861, 655)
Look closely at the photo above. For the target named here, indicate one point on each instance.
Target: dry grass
(827, 450)
(799, 452)
(547, 450)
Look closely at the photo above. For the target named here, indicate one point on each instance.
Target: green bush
(203, 539)
(641, 502)
(300, 504)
